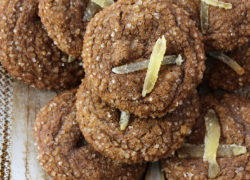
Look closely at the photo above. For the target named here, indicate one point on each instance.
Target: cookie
(227, 28)
(221, 76)
(234, 118)
(63, 152)
(27, 52)
(66, 22)
(125, 33)
(143, 139)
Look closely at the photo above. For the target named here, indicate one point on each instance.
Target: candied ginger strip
(71, 59)
(212, 138)
(124, 119)
(231, 150)
(154, 65)
(91, 10)
(219, 4)
(179, 60)
(228, 61)
(103, 3)
(204, 14)
(197, 151)
(137, 66)
(190, 151)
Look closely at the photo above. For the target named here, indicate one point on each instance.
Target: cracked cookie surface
(125, 33)
(234, 117)
(227, 29)
(27, 52)
(63, 152)
(143, 139)
(66, 23)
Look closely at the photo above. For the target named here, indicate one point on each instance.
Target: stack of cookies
(142, 98)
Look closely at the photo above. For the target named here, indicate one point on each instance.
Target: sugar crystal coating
(227, 28)
(66, 21)
(143, 139)
(27, 52)
(63, 152)
(126, 32)
(233, 112)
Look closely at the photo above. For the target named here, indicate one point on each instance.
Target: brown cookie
(234, 117)
(64, 154)
(66, 22)
(228, 28)
(143, 139)
(221, 76)
(27, 52)
(126, 33)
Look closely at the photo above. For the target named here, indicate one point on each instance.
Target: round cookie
(143, 139)
(223, 77)
(27, 52)
(64, 154)
(126, 32)
(234, 117)
(66, 22)
(228, 29)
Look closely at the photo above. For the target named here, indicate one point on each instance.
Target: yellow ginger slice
(154, 65)
(154, 171)
(212, 138)
(71, 59)
(91, 10)
(124, 119)
(228, 61)
(190, 151)
(217, 3)
(103, 3)
(197, 151)
(137, 66)
(231, 150)
(179, 60)
(204, 15)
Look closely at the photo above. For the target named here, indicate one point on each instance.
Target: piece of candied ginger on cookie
(137, 66)
(228, 61)
(124, 120)
(103, 3)
(217, 3)
(212, 139)
(204, 13)
(91, 10)
(224, 150)
(154, 65)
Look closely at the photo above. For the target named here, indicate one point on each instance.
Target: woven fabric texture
(6, 94)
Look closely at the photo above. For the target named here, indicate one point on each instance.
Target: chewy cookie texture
(125, 33)
(27, 52)
(138, 102)
(63, 152)
(227, 28)
(66, 22)
(233, 114)
(143, 139)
